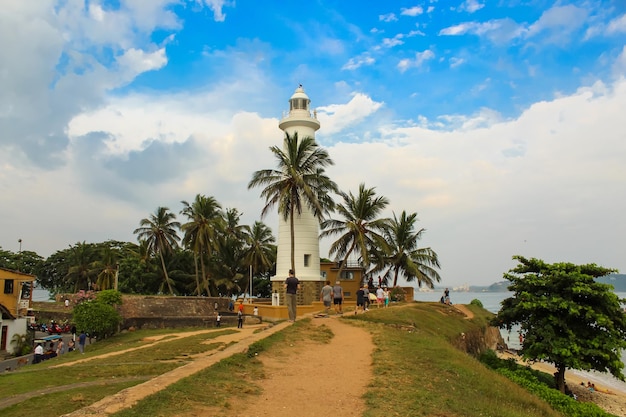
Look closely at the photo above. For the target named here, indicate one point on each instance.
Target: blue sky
(499, 123)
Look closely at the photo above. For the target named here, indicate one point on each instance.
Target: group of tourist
(61, 348)
(334, 295)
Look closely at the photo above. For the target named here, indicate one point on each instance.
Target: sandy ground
(318, 379)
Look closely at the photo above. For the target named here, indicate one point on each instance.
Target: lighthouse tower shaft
(302, 121)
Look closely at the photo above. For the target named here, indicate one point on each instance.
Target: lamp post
(19, 259)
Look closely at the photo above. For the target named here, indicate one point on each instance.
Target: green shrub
(476, 302)
(541, 385)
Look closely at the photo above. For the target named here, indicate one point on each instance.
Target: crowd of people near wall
(365, 296)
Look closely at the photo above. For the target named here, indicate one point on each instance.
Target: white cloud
(389, 17)
(471, 6)
(559, 21)
(359, 61)
(216, 6)
(456, 62)
(337, 117)
(137, 61)
(497, 31)
(395, 41)
(420, 59)
(412, 11)
(617, 25)
(619, 67)
(470, 184)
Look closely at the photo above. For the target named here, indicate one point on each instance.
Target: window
(323, 274)
(8, 286)
(307, 259)
(347, 275)
(26, 288)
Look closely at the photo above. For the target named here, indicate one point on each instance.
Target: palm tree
(261, 251)
(160, 232)
(298, 182)
(362, 228)
(405, 257)
(81, 268)
(204, 215)
(108, 268)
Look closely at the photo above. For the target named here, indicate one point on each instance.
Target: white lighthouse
(302, 121)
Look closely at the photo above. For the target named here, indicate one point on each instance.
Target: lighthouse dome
(299, 100)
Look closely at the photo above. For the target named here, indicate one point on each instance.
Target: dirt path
(304, 381)
(463, 309)
(130, 396)
(318, 380)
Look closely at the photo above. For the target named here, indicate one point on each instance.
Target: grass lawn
(417, 371)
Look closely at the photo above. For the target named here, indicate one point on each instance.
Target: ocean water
(40, 294)
(491, 302)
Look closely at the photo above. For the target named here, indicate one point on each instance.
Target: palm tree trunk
(195, 264)
(395, 277)
(345, 260)
(293, 241)
(205, 280)
(167, 278)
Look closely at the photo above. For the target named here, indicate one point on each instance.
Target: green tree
(97, 318)
(159, 230)
(200, 232)
(81, 272)
(107, 268)
(228, 263)
(260, 253)
(52, 272)
(26, 261)
(299, 181)
(566, 317)
(361, 227)
(405, 257)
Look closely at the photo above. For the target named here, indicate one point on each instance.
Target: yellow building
(351, 277)
(16, 289)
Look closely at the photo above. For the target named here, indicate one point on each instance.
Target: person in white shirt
(38, 353)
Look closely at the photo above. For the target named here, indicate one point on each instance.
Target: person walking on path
(338, 298)
(292, 285)
(240, 319)
(366, 296)
(326, 296)
(218, 320)
(82, 338)
(386, 296)
(360, 299)
(73, 330)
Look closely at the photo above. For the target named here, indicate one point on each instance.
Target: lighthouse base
(309, 291)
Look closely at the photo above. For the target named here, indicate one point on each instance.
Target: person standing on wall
(292, 285)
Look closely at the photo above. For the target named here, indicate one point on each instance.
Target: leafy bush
(23, 344)
(97, 318)
(397, 294)
(541, 385)
(476, 302)
(110, 297)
